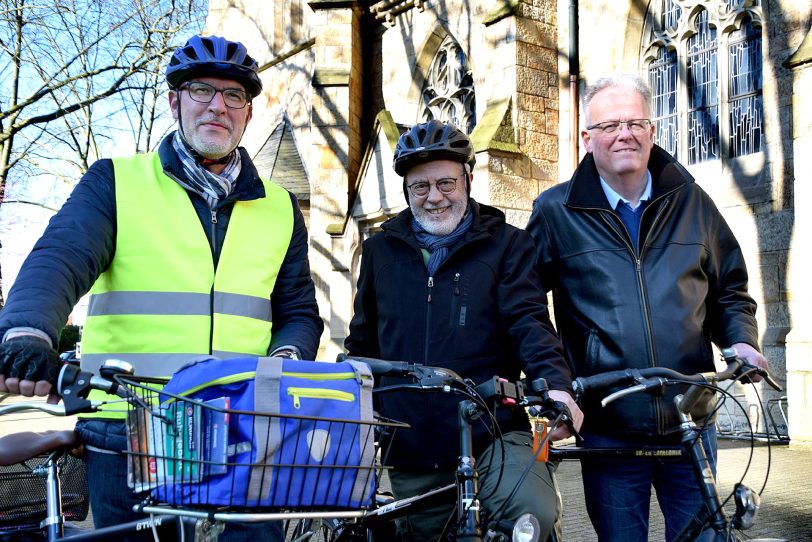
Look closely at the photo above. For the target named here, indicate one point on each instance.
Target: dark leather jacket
(660, 305)
(484, 316)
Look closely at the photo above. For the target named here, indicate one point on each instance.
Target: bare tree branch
(79, 78)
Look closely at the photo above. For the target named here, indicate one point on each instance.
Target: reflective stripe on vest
(160, 303)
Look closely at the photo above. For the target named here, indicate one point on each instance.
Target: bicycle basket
(22, 493)
(235, 440)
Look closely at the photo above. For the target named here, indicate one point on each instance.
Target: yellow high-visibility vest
(161, 302)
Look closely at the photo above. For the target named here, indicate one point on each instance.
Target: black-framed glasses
(635, 126)
(234, 98)
(446, 185)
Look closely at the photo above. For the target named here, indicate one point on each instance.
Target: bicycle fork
(53, 523)
(711, 512)
(467, 483)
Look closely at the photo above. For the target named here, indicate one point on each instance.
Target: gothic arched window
(744, 92)
(448, 93)
(663, 83)
(703, 92)
(706, 83)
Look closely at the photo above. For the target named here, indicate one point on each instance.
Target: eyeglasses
(204, 93)
(422, 188)
(635, 126)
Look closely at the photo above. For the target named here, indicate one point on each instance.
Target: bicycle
(654, 380)
(331, 529)
(44, 483)
(176, 516)
(377, 523)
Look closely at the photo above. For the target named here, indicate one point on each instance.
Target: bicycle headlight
(526, 529)
(747, 504)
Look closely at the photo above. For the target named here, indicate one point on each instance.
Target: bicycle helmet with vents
(432, 140)
(217, 57)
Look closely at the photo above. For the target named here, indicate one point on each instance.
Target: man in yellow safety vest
(186, 252)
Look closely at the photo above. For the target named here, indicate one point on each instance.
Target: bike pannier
(300, 434)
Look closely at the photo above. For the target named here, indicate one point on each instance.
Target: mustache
(216, 120)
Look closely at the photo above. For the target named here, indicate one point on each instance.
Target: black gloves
(29, 358)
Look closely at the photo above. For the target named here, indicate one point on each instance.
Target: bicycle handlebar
(502, 391)
(53, 410)
(427, 376)
(656, 378)
(73, 385)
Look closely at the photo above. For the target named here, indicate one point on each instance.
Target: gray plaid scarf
(211, 186)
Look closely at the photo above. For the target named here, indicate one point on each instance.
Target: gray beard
(440, 228)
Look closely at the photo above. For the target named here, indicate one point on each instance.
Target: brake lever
(553, 410)
(566, 418)
(436, 377)
(655, 385)
(746, 369)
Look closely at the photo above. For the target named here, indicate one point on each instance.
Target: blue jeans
(112, 501)
(618, 491)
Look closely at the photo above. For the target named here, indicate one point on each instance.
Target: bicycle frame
(469, 527)
(53, 526)
(466, 486)
(711, 513)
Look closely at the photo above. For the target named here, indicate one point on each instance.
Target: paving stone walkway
(786, 511)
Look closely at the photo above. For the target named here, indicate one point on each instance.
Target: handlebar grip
(381, 367)
(584, 384)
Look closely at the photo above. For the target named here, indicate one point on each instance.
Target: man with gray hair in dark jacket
(644, 272)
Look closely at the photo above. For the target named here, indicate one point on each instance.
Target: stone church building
(343, 78)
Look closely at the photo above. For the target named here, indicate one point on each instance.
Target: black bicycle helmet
(432, 140)
(217, 57)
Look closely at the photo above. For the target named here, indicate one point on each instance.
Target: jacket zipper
(211, 296)
(647, 310)
(213, 245)
(455, 298)
(638, 266)
(428, 322)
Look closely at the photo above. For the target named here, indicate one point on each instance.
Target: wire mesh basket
(22, 493)
(191, 453)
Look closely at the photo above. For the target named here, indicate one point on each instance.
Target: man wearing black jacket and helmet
(447, 283)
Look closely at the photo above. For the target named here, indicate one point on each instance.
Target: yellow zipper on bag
(322, 376)
(318, 393)
(248, 375)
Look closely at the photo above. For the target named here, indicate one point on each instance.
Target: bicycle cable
(496, 515)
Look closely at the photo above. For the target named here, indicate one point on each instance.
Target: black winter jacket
(80, 242)
(660, 305)
(483, 316)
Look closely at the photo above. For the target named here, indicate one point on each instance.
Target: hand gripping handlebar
(652, 378)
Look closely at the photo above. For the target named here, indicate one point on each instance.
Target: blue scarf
(438, 245)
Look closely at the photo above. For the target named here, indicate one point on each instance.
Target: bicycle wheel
(310, 530)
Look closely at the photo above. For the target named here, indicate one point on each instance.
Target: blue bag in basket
(314, 447)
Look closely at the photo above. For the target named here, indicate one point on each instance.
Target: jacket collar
(585, 189)
(247, 187)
